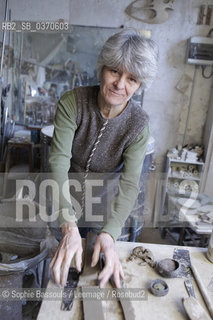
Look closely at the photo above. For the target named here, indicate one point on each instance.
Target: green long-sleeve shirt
(64, 148)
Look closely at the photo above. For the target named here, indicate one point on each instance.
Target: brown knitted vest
(118, 135)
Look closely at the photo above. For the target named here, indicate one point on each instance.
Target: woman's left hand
(105, 244)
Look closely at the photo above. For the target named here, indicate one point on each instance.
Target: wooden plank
(92, 307)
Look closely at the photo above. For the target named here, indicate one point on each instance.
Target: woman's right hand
(69, 247)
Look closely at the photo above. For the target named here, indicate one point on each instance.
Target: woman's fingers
(53, 259)
(60, 267)
(96, 253)
(110, 271)
(103, 281)
(121, 272)
(70, 246)
(104, 243)
(56, 267)
(116, 276)
(78, 259)
(106, 272)
(109, 265)
(65, 268)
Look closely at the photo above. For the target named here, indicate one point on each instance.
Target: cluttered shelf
(183, 178)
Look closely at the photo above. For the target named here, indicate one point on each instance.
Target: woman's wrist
(69, 227)
(106, 233)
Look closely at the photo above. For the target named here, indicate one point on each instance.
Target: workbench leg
(31, 158)
(203, 240)
(7, 168)
(46, 272)
(181, 236)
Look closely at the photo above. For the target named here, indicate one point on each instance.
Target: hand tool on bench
(193, 308)
(203, 290)
(69, 289)
(189, 287)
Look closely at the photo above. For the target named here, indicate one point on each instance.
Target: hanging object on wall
(154, 11)
(184, 83)
(200, 51)
(205, 15)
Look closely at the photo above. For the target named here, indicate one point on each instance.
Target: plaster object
(159, 287)
(210, 248)
(144, 254)
(207, 208)
(193, 204)
(168, 268)
(154, 12)
(189, 185)
(184, 83)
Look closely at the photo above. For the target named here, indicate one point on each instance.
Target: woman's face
(117, 86)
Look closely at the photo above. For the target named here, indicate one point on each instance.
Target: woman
(102, 130)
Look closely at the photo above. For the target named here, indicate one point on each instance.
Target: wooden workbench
(138, 276)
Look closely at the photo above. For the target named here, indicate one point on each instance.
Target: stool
(17, 142)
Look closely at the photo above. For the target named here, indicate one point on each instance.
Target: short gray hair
(129, 50)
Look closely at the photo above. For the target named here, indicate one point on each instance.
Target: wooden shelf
(186, 162)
